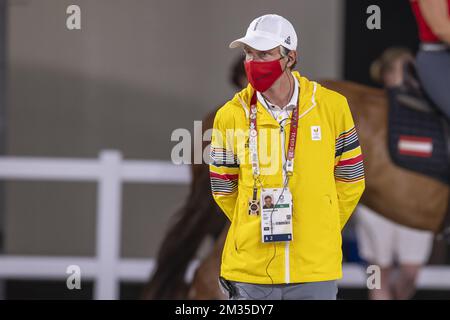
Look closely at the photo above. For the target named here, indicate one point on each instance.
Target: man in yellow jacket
(291, 140)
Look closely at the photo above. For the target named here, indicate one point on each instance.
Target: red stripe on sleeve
(350, 161)
(224, 176)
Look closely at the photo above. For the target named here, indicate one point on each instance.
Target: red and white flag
(415, 146)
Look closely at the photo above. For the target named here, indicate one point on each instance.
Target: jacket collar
(307, 100)
(289, 106)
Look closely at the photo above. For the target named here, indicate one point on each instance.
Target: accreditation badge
(276, 215)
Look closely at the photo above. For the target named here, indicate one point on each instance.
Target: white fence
(110, 171)
(107, 268)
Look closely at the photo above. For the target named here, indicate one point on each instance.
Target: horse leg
(197, 219)
(205, 282)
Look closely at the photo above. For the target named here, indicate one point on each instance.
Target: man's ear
(291, 58)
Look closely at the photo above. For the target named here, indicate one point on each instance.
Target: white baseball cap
(267, 32)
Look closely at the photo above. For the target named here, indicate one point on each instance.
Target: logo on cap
(288, 40)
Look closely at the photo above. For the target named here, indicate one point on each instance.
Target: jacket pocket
(332, 212)
(332, 219)
(247, 235)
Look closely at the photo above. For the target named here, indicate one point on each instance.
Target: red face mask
(262, 74)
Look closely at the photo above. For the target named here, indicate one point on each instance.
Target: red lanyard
(254, 133)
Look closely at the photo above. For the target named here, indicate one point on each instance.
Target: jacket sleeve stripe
(223, 182)
(347, 141)
(220, 156)
(350, 169)
(224, 176)
(350, 161)
(350, 180)
(223, 186)
(218, 165)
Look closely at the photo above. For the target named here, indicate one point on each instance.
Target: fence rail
(110, 171)
(107, 268)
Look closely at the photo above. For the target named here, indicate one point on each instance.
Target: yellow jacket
(327, 183)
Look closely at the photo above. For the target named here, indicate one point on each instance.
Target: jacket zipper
(287, 244)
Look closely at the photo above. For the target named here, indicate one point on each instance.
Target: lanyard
(253, 140)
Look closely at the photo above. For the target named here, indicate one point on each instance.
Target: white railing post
(108, 235)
